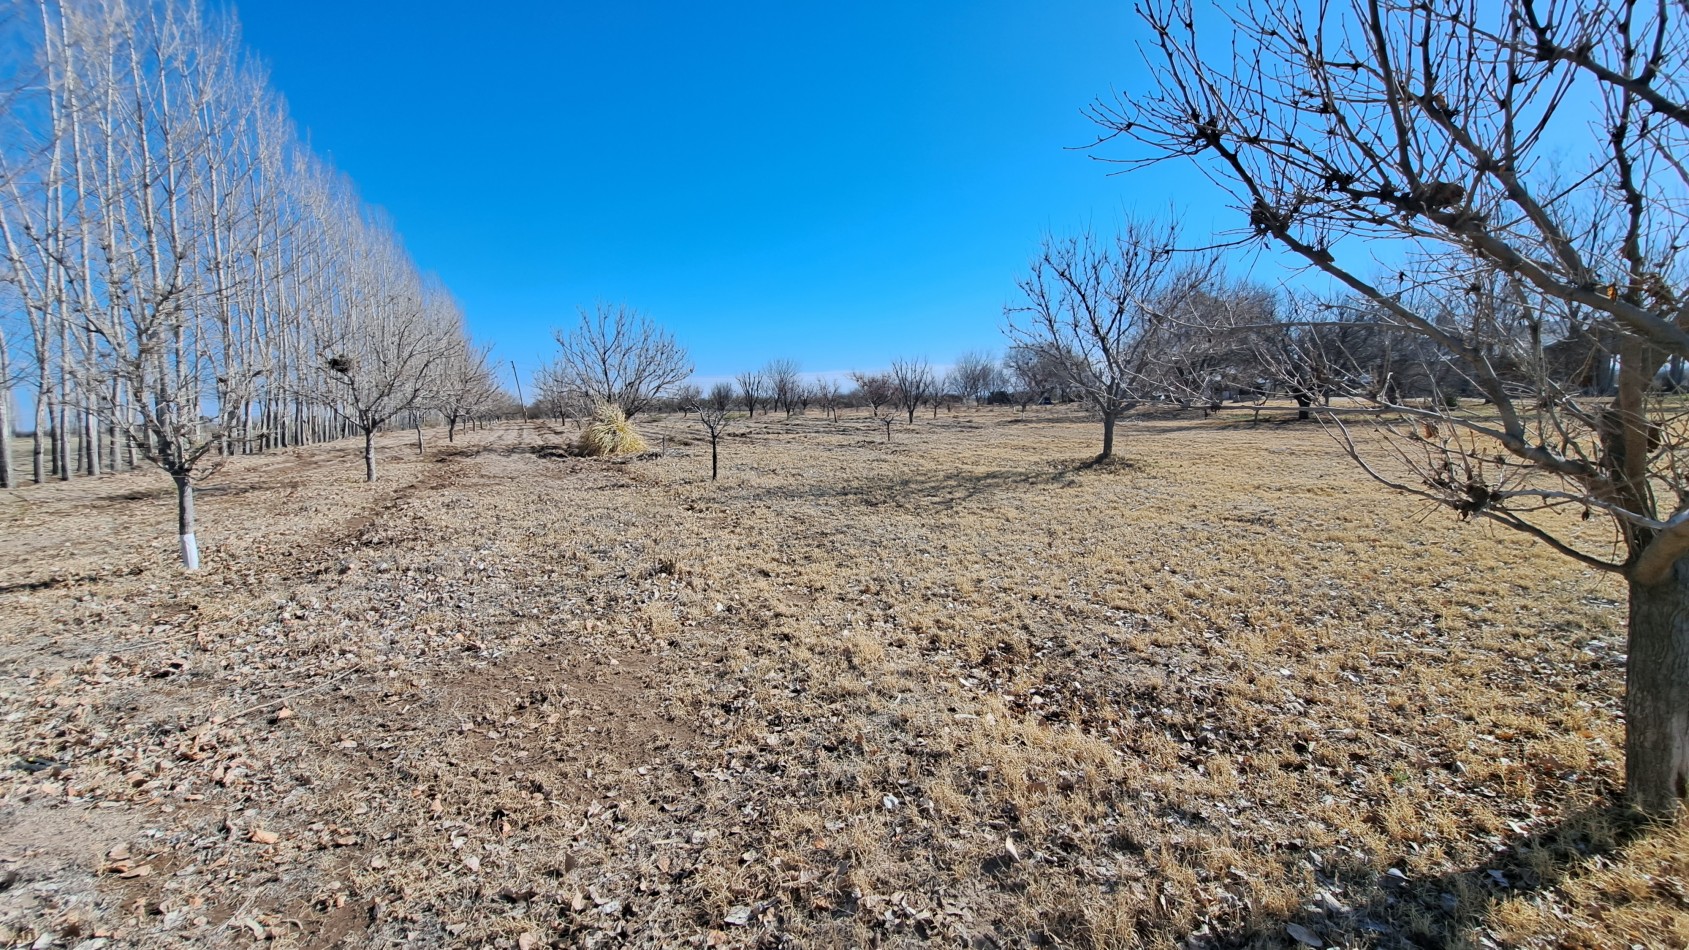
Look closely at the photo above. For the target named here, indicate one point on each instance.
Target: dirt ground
(960, 688)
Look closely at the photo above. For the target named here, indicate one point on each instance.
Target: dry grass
(610, 433)
(962, 689)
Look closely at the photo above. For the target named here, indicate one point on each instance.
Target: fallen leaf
(260, 836)
(1303, 935)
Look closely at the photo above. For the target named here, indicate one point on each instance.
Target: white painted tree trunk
(185, 522)
(6, 480)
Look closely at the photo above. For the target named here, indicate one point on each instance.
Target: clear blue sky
(839, 184)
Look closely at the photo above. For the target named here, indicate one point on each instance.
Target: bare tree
(828, 392)
(753, 386)
(175, 256)
(143, 122)
(914, 382)
(1223, 340)
(785, 387)
(687, 396)
(1454, 131)
(721, 396)
(875, 389)
(561, 395)
(714, 417)
(1097, 308)
(1031, 374)
(381, 358)
(974, 376)
(466, 386)
(618, 356)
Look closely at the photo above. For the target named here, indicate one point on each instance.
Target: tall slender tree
(176, 259)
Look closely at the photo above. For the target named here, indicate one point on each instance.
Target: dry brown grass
(609, 434)
(962, 689)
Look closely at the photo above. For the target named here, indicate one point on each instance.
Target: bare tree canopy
(1098, 308)
(1031, 375)
(753, 386)
(1529, 255)
(914, 381)
(875, 389)
(785, 387)
(974, 375)
(184, 267)
(466, 387)
(686, 397)
(721, 396)
(389, 355)
(714, 417)
(617, 355)
(827, 391)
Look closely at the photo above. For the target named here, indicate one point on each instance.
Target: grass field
(961, 688)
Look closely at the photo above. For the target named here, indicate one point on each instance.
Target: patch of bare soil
(960, 687)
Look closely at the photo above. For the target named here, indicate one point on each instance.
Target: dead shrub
(610, 433)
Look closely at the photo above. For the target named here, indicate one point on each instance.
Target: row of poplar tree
(183, 279)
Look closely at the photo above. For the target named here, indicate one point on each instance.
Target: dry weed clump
(949, 690)
(609, 434)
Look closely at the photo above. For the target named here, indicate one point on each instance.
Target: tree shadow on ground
(1449, 910)
(236, 490)
(1236, 425)
(943, 491)
(48, 583)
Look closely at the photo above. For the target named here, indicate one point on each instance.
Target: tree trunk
(1657, 694)
(185, 521)
(369, 455)
(1108, 437)
(713, 466)
(911, 409)
(419, 448)
(451, 429)
(36, 448)
(1305, 401)
(114, 459)
(91, 442)
(6, 438)
(61, 441)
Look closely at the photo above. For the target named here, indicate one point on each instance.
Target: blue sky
(837, 184)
